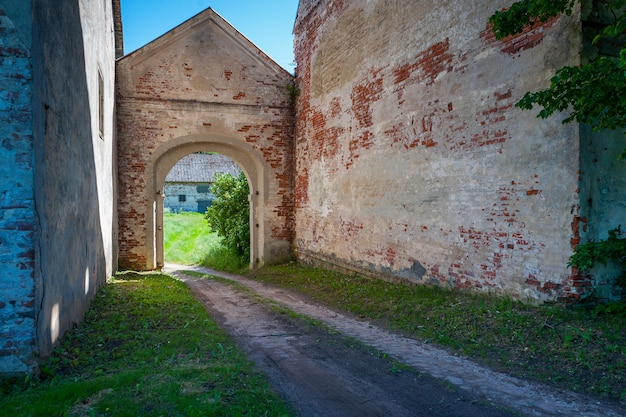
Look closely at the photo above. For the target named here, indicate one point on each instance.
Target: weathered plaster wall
(203, 87)
(17, 217)
(412, 161)
(73, 41)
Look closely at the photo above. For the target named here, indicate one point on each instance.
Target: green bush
(229, 215)
(612, 249)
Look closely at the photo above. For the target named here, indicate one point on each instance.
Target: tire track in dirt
(323, 374)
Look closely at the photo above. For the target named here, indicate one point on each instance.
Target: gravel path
(326, 373)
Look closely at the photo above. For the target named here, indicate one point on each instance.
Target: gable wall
(202, 87)
(408, 142)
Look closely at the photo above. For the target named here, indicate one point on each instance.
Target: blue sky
(267, 23)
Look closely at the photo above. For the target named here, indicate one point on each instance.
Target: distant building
(188, 184)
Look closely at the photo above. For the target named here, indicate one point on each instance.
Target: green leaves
(588, 254)
(526, 13)
(612, 249)
(229, 214)
(594, 93)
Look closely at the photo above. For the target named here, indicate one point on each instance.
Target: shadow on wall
(70, 257)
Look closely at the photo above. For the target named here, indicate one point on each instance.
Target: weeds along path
(332, 372)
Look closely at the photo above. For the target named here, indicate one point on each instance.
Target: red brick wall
(412, 161)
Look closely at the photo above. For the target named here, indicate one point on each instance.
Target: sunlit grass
(188, 240)
(186, 237)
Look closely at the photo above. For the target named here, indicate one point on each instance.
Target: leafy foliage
(613, 249)
(229, 213)
(594, 93)
(526, 13)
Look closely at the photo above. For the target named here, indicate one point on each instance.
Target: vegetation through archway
(206, 213)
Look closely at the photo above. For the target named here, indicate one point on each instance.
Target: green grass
(573, 349)
(146, 347)
(188, 240)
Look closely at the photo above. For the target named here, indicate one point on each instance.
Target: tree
(228, 215)
(593, 93)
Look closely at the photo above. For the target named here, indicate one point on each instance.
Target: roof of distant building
(199, 167)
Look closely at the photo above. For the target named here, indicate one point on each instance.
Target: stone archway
(203, 87)
(249, 161)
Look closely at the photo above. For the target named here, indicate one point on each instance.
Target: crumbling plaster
(412, 161)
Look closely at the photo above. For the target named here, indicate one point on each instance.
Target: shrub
(613, 249)
(229, 215)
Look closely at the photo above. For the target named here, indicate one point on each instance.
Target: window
(202, 189)
(182, 198)
(100, 104)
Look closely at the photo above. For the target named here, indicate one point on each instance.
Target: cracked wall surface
(412, 161)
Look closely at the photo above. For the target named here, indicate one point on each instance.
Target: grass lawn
(188, 240)
(145, 348)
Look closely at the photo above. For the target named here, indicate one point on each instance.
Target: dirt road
(352, 368)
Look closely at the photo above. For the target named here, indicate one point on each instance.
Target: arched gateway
(203, 87)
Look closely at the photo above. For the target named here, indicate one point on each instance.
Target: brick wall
(412, 161)
(17, 224)
(203, 87)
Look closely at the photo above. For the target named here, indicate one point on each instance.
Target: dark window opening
(203, 205)
(202, 188)
(100, 104)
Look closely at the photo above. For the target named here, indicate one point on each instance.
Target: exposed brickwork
(577, 284)
(431, 62)
(17, 216)
(301, 188)
(420, 141)
(529, 38)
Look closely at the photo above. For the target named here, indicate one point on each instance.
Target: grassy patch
(223, 259)
(574, 349)
(188, 240)
(186, 237)
(146, 347)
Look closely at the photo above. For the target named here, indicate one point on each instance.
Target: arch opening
(248, 160)
(188, 193)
